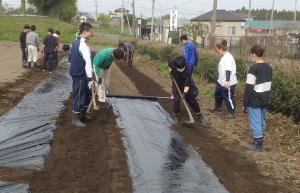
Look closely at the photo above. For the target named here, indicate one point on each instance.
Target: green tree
(196, 29)
(104, 20)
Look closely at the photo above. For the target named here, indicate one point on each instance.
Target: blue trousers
(257, 120)
(227, 95)
(81, 95)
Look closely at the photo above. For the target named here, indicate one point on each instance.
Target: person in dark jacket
(257, 95)
(23, 45)
(49, 47)
(180, 73)
(190, 53)
(82, 72)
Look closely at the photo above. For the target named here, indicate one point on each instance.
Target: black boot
(29, 65)
(76, 120)
(201, 119)
(85, 117)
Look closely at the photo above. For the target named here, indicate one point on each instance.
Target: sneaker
(85, 117)
(216, 109)
(257, 144)
(177, 117)
(230, 116)
(76, 120)
(202, 119)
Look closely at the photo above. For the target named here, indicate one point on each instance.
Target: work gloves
(90, 84)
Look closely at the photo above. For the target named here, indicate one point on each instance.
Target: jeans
(257, 120)
(227, 95)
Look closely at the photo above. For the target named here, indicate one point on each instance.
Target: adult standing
(190, 53)
(102, 63)
(23, 34)
(257, 95)
(227, 81)
(49, 47)
(32, 42)
(81, 71)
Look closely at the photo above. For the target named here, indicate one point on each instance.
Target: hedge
(285, 96)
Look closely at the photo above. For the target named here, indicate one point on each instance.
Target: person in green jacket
(102, 62)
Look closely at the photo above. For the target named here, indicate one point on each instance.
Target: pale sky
(186, 8)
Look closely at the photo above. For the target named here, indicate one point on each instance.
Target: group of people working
(257, 90)
(83, 69)
(30, 46)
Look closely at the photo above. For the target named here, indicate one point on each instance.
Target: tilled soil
(236, 171)
(85, 160)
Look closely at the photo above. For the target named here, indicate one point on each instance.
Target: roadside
(224, 145)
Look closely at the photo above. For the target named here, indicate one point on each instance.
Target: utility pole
(23, 7)
(96, 11)
(213, 24)
(152, 21)
(133, 18)
(295, 14)
(122, 18)
(249, 11)
(272, 18)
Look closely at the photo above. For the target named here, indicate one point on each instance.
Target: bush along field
(11, 27)
(285, 97)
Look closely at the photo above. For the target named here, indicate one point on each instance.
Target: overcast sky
(186, 8)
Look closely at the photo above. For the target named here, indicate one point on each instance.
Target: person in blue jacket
(190, 53)
(81, 71)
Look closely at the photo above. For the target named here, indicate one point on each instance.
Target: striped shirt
(258, 86)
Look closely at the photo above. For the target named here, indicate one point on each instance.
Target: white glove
(90, 84)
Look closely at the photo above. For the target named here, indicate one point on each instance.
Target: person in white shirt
(227, 81)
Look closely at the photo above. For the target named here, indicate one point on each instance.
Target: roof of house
(222, 15)
(120, 10)
(266, 24)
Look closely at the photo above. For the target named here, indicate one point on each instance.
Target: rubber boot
(257, 144)
(202, 119)
(34, 66)
(76, 120)
(84, 117)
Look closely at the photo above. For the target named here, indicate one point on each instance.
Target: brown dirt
(224, 145)
(89, 160)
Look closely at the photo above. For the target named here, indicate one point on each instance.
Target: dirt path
(10, 62)
(236, 168)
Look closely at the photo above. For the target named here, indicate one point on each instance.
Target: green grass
(11, 26)
(110, 30)
(164, 69)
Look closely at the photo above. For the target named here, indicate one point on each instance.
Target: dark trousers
(130, 58)
(190, 99)
(227, 95)
(81, 95)
(49, 61)
(24, 54)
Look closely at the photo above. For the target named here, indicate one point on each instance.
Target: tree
(196, 29)
(104, 20)
(62, 9)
